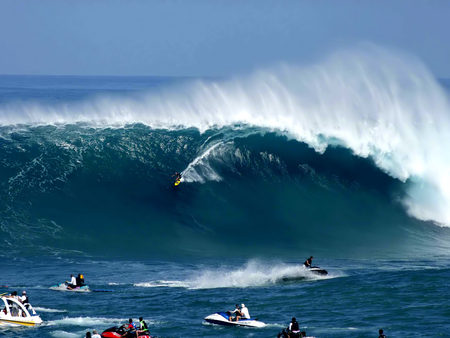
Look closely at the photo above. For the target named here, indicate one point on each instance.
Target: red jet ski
(118, 332)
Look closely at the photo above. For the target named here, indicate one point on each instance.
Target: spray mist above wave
(380, 104)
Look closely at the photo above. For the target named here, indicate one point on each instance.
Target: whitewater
(380, 104)
(344, 159)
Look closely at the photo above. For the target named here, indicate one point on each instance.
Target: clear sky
(209, 38)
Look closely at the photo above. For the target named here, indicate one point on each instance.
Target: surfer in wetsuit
(177, 176)
(381, 333)
(308, 262)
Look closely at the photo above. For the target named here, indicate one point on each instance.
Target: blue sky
(209, 38)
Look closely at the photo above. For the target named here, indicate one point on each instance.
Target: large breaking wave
(261, 144)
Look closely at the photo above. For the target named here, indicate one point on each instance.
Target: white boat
(223, 318)
(14, 313)
(64, 287)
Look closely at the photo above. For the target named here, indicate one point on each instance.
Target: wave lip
(376, 102)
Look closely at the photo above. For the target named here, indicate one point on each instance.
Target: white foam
(63, 334)
(253, 273)
(84, 321)
(378, 103)
(163, 283)
(43, 309)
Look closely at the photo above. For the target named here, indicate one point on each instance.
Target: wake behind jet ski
(238, 317)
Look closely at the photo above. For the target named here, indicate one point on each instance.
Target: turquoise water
(359, 297)
(86, 187)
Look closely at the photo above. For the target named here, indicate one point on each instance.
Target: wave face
(327, 157)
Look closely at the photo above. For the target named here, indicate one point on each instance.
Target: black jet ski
(318, 271)
(315, 270)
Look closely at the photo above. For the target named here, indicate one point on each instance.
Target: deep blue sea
(350, 165)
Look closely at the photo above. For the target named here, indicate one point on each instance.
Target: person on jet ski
(73, 283)
(131, 328)
(294, 328)
(244, 312)
(237, 314)
(308, 262)
(143, 328)
(80, 280)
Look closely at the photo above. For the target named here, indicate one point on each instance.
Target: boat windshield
(14, 308)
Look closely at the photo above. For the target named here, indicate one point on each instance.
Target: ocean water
(345, 160)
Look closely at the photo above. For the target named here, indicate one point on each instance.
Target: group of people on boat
(75, 282)
(23, 299)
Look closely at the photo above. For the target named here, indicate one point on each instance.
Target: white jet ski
(223, 318)
(64, 287)
(14, 313)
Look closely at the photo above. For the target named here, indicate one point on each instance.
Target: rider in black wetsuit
(308, 262)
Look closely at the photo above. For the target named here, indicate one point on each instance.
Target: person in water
(381, 334)
(294, 328)
(95, 334)
(237, 314)
(308, 262)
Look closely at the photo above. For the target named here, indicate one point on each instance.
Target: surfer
(308, 262)
(177, 178)
(381, 333)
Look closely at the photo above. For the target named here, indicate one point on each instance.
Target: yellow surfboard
(177, 182)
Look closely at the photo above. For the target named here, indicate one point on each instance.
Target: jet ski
(223, 318)
(64, 287)
(318, 271)
(315, 270)
(117, 332)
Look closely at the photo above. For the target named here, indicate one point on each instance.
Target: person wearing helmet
(80, 280)
(244, 312)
